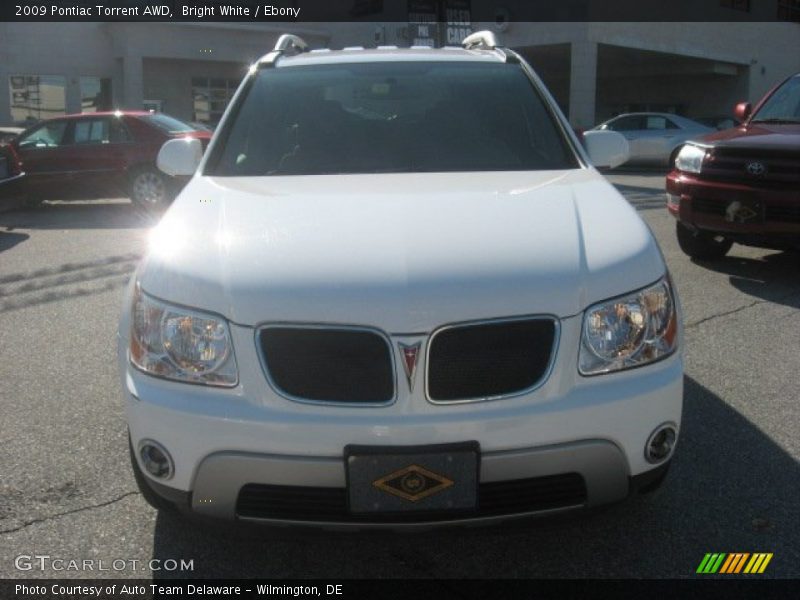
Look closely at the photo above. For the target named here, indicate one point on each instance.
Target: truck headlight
(690, 159)
(629, 331)
(178, 343)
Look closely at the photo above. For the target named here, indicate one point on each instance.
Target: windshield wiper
(777, 120)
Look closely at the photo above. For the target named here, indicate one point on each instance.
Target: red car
(96, 155)
(742, 185)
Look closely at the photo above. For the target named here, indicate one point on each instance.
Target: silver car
(655, 138)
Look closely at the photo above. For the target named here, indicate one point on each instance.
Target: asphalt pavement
(66, 490)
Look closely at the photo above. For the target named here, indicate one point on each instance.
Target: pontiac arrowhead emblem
(410, 355)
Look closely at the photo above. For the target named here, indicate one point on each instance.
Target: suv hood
(403, 252)
(762, 136)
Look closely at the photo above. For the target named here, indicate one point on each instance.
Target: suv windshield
(783, 105)
(389, 118)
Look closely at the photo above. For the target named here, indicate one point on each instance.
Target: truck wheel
(147, 492)
(702, 245)
(149, 189)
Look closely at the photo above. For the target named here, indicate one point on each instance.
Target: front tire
(149, 189)
(702, 245)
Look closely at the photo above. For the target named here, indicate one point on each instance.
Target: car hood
(758, 136)
(403, 252)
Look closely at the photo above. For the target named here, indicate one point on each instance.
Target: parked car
(9, 133)
(719, 122)
(100, 154)
(742, 185)
(395, 292)
(655, 138)
(11, 178)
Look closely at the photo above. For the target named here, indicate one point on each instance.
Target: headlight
(629, 331)
(690, 159)
(177, 343)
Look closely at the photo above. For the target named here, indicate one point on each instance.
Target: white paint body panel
(404, 253)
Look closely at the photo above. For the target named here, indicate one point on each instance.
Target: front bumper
(760, 211)
(223, 439)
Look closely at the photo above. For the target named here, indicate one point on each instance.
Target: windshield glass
(167, 123)
(783, 105)
(390, 118)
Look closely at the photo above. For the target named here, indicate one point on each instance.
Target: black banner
(729, 588)
(495, 11)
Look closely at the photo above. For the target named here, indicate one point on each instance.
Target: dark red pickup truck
(742, 185)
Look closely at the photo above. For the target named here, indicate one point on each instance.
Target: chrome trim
(150, 442)
(667, 425)
(539, 383)
(272, 384)
(411, 372)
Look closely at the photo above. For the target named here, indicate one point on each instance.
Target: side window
(91, 131)
(119, 132)
(659, 123)
(626, 124)
(49, 135)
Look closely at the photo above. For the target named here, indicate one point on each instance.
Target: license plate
(744, 211)
(403, 479)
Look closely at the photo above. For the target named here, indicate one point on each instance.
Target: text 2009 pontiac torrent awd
(396, 293)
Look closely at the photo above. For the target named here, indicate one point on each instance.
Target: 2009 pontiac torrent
(396, 293)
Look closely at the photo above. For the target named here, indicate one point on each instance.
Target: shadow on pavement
(9, 239)
(118, 214)
(643, 198)
(68, 280)
(730, 489)
(773, 277)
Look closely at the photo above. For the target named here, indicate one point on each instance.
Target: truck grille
(491, 359)
(329, 364)
(770, 213)
(318, 504)
(730, 164)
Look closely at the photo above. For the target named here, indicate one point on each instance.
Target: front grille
(772, 213)
(330, 504)
(487, 360)
(730, 164)
(329, 364)
(708, 206)
(783, 213)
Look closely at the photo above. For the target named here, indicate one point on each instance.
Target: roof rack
(290, 43)
(480, 39)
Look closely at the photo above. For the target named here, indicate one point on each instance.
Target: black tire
(702, 245)
(149, 189)
(152, 498)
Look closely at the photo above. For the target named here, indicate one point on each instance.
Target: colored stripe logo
(734, 563)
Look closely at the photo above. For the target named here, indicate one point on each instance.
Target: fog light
(661, 443)
(155, 459)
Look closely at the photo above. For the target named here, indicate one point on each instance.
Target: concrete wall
(130, 54)
(69, 49)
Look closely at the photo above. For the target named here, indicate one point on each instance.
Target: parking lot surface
(66, 489)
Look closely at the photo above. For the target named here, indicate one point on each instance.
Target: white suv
(396, 293)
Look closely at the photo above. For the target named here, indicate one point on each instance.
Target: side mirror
(742, 111)
(180, 157)
(606, 149)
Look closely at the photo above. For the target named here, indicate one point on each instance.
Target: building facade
(190, 69)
